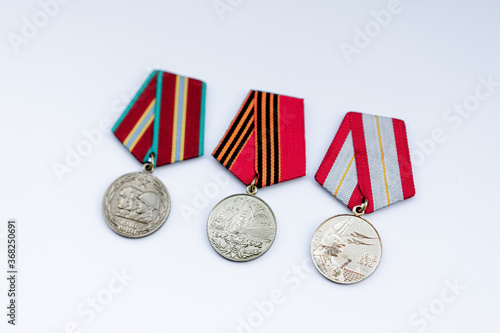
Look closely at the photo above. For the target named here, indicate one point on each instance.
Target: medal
(163, 124)
(264, 145)
(367, 167)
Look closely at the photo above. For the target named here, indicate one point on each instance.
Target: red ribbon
(265, 140)
(369, 159)
(165, 118)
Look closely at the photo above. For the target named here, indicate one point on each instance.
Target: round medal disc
(241, 227)
(346, 249)
(136, 204)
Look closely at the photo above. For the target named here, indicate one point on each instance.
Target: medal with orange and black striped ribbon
(163, 124)
(263, 146)
(367, 167)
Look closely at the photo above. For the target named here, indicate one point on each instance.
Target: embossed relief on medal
(346, 249)
(136, 205)
(241, 227)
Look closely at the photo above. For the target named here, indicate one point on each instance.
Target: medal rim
(160, 224)
(243, 195)
(346, 215)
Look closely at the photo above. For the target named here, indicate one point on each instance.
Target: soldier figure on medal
(324, 255)
(346, 249)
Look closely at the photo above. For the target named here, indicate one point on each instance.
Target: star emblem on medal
(143, 181)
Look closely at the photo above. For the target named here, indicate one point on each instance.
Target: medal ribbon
(369, 159)
(165, 118)
(266, 139)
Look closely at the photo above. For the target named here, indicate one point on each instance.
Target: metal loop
(360, 210)
(149, 166)
(252, 189)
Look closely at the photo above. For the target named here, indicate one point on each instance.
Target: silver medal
(136, 204)
(346, 248)
(241, 227)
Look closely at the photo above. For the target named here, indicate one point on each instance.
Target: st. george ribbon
(163, 124)
(367, 167)
(264, 145)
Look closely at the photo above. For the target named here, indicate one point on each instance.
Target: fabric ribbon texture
(265, 140)
(165, 118)
(369, 159)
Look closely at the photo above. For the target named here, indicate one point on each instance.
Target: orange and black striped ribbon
(266, 140)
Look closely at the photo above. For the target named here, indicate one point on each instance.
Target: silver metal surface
(136, 204)
(241, 227)
(346, 249)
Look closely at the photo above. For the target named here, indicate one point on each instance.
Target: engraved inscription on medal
(346, 249)
(136, 204)
(368, 260)
(241, 227)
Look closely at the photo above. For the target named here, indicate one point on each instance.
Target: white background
(83, 66)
